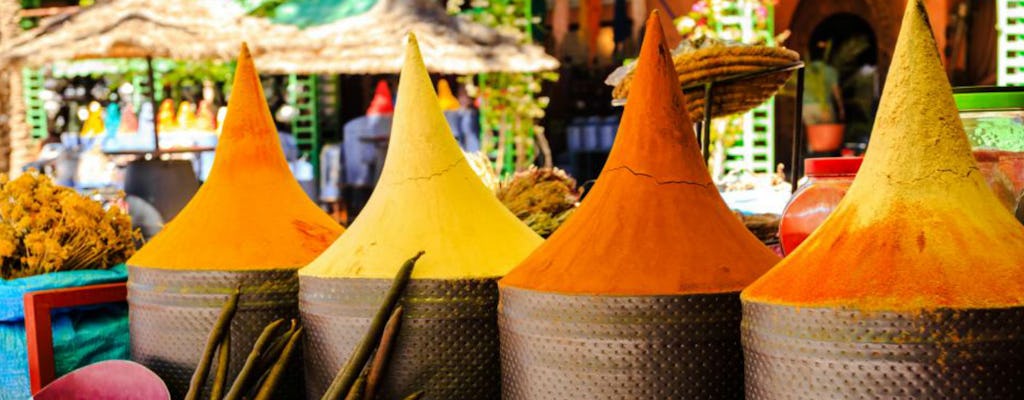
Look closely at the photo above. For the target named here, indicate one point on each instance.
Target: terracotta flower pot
(824, 138)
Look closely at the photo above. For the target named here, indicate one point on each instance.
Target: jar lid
(988, 97)
(832, 165)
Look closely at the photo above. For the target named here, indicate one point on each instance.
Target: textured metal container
(172, 312)
(447, 345)
(819, 353)
(557, 346)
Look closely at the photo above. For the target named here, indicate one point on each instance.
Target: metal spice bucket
(171, 314)
(817, 353)
(447, 344)
(556, 346)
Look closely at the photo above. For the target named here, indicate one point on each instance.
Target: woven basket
(713, 63)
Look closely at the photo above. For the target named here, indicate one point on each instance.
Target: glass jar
(828, 179)
(993, 118)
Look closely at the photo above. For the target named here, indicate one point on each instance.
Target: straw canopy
(371, 43)
(184, 29)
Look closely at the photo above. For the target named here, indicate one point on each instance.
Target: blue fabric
(360, 155)
(113, 120)
(330, 173)
(469, 124)
(81, 336)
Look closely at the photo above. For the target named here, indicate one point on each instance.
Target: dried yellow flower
(46, 228)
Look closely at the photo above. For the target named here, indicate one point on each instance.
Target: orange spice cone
(637, 294)
(913, 286)
(430, 199)
(249, 226)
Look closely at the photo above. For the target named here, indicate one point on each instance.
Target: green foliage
(511, 104)
(261, 8)
(715, 19)
(195, 72)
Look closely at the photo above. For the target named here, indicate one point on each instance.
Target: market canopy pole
(152, 100)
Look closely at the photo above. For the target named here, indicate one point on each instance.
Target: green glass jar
(993, 117)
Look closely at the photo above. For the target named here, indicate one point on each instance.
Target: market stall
(144, 30)
(370, 43)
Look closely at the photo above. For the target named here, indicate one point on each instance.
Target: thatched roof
(178, 29)
(373, 43)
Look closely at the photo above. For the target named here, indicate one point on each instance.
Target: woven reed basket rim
(714, 63)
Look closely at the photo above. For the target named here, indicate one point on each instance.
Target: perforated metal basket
(557, 346)
(819, 353)
(447, 344)
(171, 314)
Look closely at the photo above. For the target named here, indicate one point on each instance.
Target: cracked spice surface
(428, 198)
(654, 224)
(919, 228)
(250, 214)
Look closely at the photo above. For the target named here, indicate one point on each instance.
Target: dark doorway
(847, 43)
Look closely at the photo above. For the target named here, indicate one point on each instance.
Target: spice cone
(428, 198)
(913, 285)
(251, 213)
(250, 226)
(654, 224)
(637, 294)
(919, 228)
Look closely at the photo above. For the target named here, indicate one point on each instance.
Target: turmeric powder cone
(913, 286)
(428, 198)
(637, 294)
(250, 225)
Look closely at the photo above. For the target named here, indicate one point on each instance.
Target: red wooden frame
(38, 329)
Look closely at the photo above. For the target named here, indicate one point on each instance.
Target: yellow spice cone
(250, 214)
(428, 198)
(919, 228)
(445, 97)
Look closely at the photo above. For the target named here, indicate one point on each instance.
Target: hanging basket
(728, 63)
(818, 353)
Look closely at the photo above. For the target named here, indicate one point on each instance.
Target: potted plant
(823, 107)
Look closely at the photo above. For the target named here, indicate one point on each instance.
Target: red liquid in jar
(828, 179)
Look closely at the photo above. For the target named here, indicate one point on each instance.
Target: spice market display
(637, 294)
(428, 199)
(250, 226)
(912, 287)
(702, 199)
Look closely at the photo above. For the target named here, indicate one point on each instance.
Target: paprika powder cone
(249, 226)
(636, 296)
(428, 198)
(913, 287)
